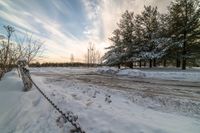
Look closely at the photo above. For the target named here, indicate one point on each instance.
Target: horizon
(67, 27)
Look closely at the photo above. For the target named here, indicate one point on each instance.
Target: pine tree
(165, 37)
(151, 41)
(126, 27)
(122, 49)
(115, 52)
(185, 27)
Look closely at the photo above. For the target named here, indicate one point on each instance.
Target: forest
(155, 39)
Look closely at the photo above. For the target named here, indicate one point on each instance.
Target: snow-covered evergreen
(185, 27)
(152, 36)
(137, 37)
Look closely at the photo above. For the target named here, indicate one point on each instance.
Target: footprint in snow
(108, 98)
(89, 103)
(75, 97)
(36, 102)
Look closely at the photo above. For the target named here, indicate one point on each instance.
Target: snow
(10, 92)
(183, 76)
(167, 74)
(133, 73)
(100, 109)
(107, 70)
(65, 70)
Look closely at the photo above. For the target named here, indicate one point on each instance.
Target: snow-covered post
(24, 72)
(1, 73)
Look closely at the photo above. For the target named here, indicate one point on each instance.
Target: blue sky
(67, 26)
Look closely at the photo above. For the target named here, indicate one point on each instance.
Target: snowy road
(167, 93)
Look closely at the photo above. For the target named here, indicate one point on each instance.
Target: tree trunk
(131, 65)
(185, 38)
(144, 63)
(150, 63)
(140, 63)
(184, 53)
(164, 62)
(154, 62)
(118, 66)
(184, 64)
(178, 63)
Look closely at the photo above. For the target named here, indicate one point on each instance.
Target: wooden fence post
(25, 75)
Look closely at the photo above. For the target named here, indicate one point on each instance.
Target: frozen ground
(136, 104)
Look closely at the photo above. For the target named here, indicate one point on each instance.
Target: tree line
(70, 64)
(14, 47)
(155, 38)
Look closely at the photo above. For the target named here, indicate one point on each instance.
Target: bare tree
(33, 50)
(72, 58)
(15, 54)
(2, 55)
(9, 31)
(98, 57)
(30, 48)
(11, 51)
(93, 55)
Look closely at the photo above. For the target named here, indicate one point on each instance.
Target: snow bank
(179, 75)
(131, 73)
(24, 112)
(10, 91)
(107, 70)
(11, 82)
(149, 73)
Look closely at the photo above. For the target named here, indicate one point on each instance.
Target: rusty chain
(68, 116)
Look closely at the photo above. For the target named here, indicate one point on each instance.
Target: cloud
(67, 27)
(57, 43)
(105, 14)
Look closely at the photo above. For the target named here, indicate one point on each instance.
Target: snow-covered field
(105, 100)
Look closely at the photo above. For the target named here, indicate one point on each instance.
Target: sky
(68, 26)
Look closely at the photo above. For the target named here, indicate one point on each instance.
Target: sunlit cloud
(67, 27)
